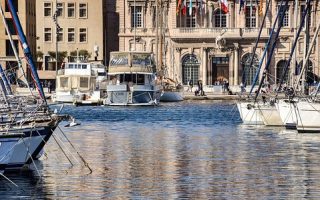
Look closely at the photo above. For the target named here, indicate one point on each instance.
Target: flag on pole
(184, 7)
(200, 9)
(196, 8)
(224, 5)
(178, 7)
(190, 8)
(261, 7)
(242, 2)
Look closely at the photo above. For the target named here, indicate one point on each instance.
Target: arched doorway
(249, 72)
(280, 71)
(190, 69)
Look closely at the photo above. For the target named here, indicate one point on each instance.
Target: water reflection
(188, 150)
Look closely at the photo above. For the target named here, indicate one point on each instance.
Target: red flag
(224, 5)
(184, 7)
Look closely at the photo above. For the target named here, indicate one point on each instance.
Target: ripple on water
(177, 150)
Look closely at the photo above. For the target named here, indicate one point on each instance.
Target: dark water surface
(191, 150)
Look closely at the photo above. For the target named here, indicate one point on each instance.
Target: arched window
(249, 72)
(190, 69)
(220, 19)
(280, 71)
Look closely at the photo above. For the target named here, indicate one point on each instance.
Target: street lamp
(58, 28)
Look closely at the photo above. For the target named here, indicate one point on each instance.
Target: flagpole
(220, 14)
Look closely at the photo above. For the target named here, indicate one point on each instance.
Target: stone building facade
(211, 45)
(81, 28)
(27, 14)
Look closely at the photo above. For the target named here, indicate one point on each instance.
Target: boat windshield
(141, 59)
(119, 59)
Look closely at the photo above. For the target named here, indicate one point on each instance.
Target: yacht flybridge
(79, 83)
(132, 79)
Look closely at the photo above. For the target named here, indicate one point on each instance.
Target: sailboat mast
(161, 39)
(157, 33)
(306, 47)
(26, 49)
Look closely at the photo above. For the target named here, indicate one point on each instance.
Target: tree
(61, 55)
(83, 53)
(39, 55)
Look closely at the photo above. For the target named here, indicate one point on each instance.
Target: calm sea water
(196, 150)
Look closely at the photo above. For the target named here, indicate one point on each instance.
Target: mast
(157, 33)
(283, 9)
(306, 47)
(161, 39)
(14, 49)
(26, 49)
(303, 20)
(265, 50)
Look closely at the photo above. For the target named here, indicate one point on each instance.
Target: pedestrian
(190, 84)
(49, 86)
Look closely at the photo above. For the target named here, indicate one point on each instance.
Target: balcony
(203, 33)
(254, 32)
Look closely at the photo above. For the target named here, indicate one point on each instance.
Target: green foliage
(61, 55)
(82, 53)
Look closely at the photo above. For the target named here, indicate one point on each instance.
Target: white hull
(270, 115)
(79, 97)
(248, 114)
(308, 116)
(28, 147)
(7, 146)
(171, 96)
(287, 113)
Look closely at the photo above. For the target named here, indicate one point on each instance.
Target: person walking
(49, 86)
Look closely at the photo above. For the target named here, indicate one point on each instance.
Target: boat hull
(287, 112)
(7, 145)
(270, 115)
(171, 96)
(249, 114)
(308, 116)
(29, 146)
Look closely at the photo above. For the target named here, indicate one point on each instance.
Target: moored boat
(132, 79)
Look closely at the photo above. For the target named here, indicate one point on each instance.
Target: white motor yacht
(79, 83)
(132, 79)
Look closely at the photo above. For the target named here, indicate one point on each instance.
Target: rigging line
(305, 12)
(267, 45)
(1, 174)
(257, 41)
(62, 149)
(81, 157)
(280, 24)
(65, 146)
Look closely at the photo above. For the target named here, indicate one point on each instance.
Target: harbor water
(185, 150)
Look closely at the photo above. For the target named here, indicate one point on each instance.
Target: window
(47, 35)
(47, 9)
(11, 27)
(60, 9)
(15, 5)
(82, 35)
(220, 19)
(84, 82)
(71, 10)
(136, 16)
(249, 71)
(64, 82)
(9, 50)
(286, 15)
(60, 35)
(71, 35)
(83, 10)
(191, 19)
(190, 67)
(250, 16)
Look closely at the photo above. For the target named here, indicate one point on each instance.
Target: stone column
(236, 64)
(204, 65)
(178, 68)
